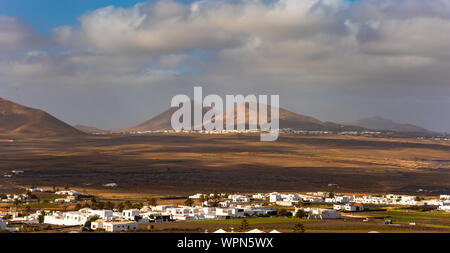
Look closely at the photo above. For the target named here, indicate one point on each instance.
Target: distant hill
(20, 120)
(161, 121)
(288, 119)
(383, 124)
(90, 130)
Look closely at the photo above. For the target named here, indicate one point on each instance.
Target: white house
(321, 213)
(433, 202)
(259, 210)
(343, 199)
(71, 193)
(291, 197)
(228, 203)
(349, 207)
(161, 208)
(29, 219)
(285, 203)
(274, 197)
(239, 198)
(130, 214)
(114, 226)
(260, 196)
(338, 207)
(67, 219)
(444, 197)
(3, 226)
(102, 214)
(196, 196)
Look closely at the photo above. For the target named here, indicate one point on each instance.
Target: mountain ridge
(287, 118)
(19, 120)
(385, 124)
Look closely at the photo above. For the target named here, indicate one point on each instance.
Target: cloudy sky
(113, 64)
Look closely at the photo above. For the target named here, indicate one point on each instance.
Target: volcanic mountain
(18, 120)
(161, 121)
(287, 118)
(383, 124)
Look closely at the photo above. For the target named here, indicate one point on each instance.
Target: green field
(254, 221)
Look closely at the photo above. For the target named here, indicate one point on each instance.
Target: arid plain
(187, 163)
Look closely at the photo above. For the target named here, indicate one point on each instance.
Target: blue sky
(43, 15)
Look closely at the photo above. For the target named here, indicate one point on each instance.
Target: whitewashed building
(67, 219)
(102, 214)
(444, 197)
(114, 226)
(320, 213)
(130, 214)
(274, 197)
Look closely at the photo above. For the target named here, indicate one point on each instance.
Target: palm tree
(244, 225)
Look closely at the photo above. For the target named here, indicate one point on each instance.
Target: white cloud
(389, 48)
(312, 41)
(15, 35)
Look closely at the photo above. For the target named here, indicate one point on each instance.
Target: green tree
(138, 205)
(216, 195)
(215, 203)
(282, 212)
(98, 205)
(93, 218)
(152, 202)
(16, 203)
(120, 206)
(299, 228)
(41, 217)
(300, 214)
(128, 204)
(202, 198)
(189, 202)
(331, 193)
(109, 205)
(244, 225)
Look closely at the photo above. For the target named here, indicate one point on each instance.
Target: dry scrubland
(181, 164)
